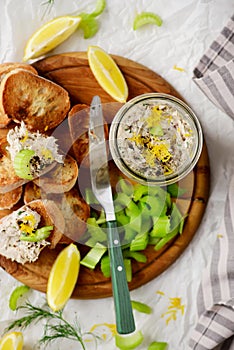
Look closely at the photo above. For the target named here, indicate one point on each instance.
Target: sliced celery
(129, 342)
(129, 234)
(16, 294)
(139, 191)
(139, 242)
(166, 239)
(122, 218)
(123, 199)
(125, 186)
(153, 240)
(161, 227)
(176, 217)
(94, 256)
(105, 266)
(157, 206)
(132, 209)
(135, 223)
(135, 255)
(90, 197)
(175, 191)
(128, 269)
(102, 218)
(141, 307)
(95, 230)
(157, 346)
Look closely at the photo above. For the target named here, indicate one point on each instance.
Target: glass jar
(155, 139)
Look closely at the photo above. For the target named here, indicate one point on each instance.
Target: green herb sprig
(55, 328)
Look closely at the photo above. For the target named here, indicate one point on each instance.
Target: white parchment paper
(188, 29)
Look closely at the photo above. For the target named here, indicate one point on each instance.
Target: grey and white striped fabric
(215, 327)
(214, 73)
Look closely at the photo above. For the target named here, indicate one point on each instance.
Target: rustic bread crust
(40, 103)
(78, 121)
(61, 179)
(9, 199)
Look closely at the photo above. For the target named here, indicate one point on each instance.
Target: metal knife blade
(102, 190)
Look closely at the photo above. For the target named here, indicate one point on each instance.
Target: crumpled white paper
(188, 29)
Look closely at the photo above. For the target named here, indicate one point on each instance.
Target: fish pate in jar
(156, 138)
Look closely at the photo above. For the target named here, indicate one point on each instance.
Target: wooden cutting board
(71, 70)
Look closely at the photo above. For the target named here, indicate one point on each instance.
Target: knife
(102, 190)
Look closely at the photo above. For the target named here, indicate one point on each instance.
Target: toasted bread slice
(9, 199)
(61, 179)
(8, 178)
(76, 212)
(32, 192)
(78, 121)
(4, 69)
(4, 120)
(13, 248)
(40, 103)
(73, 207)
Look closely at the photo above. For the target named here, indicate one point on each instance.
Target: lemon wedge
(12, 341)
(50, 35)
(107, 73)
(63, 277)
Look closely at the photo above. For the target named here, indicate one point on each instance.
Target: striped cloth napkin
(215, 301)
(214, 73)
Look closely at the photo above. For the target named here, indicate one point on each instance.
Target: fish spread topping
(155, 139)
(21, 222)
(45, 148)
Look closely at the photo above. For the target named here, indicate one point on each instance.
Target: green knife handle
(123, 309)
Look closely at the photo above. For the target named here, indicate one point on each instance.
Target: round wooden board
(71, 70)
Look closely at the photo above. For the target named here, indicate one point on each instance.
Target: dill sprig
(56, 326)
(48, 5)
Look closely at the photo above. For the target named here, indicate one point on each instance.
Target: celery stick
(157, 346)
(102, 218)
(93, 256)
(129, 234)
(176, 217)
(175, 191)
(135, 255)
(129, 342)
(125, 186)
(95, 230)
(153, 240)
(139, 191)
(166, 239)
(90, 197)
(135, 223)
(123, 199)
(122, 218)
(157, 206)
(141, 307)
(132, 209)
(105, 266)
(128, 269)
(161, 227)
(139, 242)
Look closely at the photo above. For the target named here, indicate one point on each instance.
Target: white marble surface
(189, 28)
